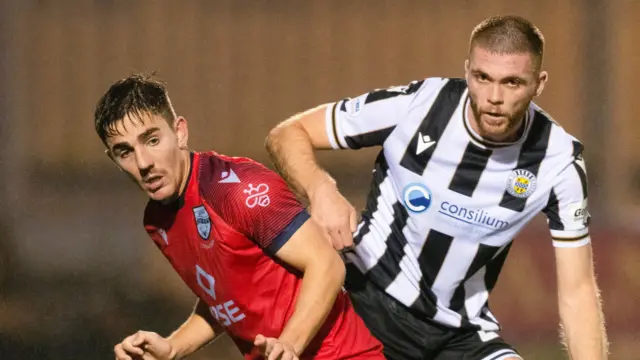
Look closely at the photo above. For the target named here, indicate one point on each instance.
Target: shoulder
(444, 89)
(561, 143)
(225, 181)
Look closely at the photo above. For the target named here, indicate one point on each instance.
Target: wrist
(296, 349)
(173, 354)
(321, 183)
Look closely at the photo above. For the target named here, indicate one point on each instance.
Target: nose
(143, 161)
(495, 95)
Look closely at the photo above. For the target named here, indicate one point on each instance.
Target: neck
(185, 169)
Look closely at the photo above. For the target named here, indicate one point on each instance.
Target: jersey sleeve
(258, 204)
(567, 211)
(367, 120)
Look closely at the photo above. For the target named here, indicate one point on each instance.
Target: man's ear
(182, 132)
(542, 81)
(110, 156)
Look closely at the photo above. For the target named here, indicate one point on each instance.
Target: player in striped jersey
(465, 164)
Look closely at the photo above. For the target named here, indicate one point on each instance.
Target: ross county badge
(203, 222)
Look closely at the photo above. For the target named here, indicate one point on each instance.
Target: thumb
(260, 340)
(138, 339)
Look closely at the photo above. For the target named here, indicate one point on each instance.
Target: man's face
(149, 150)
(501, 86)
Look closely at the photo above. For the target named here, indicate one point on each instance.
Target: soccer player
(236, 235)
(464, 165)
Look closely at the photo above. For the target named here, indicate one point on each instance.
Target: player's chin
(495, 130)
(161, 194)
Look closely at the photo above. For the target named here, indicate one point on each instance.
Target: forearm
(194, 334)
(292, 152)
(321, 284)
(583, 323)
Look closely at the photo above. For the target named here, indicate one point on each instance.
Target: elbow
(577, 300)
(330, 268)
(337, 269)
(277, 136)
(273, 137)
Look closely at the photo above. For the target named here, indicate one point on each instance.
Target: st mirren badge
(521, 183)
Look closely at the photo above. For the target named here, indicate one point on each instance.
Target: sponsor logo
(417, 197)
(257, 196)
(229, 177)
(424, 142)
(477, 217)
(521, 183)
(578, 213)
(163, 235)
(354, 107)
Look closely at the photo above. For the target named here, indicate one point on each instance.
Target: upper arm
(368, 119)
(353, 123)
(567, 211)
(308, 245)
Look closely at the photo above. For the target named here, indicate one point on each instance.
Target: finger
(120, 353)
(131, 349)
(276, 352)
(259, 340)
(288, 355)
(140, 338)
(346, 235)
(271, 343)
(336, 239)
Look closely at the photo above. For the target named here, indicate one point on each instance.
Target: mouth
(153, 183)
(494, 118)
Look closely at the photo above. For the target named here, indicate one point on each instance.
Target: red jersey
(221, 235)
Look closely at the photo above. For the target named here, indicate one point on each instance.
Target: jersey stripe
(531, 155)
(433, 125)
(368, 139)
(387, 93)
(470, 169)
(379, 176)
(551, 210)
(388, 266)
(431, 258)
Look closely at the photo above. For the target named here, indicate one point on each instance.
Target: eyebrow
(125, 145)
(480, 72)
(506, 78)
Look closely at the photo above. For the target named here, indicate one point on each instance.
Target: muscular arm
(291, 146)
(323, 276)
(579, 304)
(199, 330)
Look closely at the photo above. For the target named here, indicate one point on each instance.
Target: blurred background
(77, 272)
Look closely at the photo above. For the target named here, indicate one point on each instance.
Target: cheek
(519, 101)
(131, 171)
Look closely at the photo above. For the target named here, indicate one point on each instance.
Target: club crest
(203, 222)
(521, 183)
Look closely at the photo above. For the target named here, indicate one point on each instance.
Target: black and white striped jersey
(445, 204)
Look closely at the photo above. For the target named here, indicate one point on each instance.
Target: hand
(144, 345)
(275, 349)
(335, 215)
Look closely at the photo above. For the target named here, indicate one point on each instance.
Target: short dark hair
(136, 96)
(509, 34)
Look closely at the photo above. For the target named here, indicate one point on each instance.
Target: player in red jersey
(236, 235)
